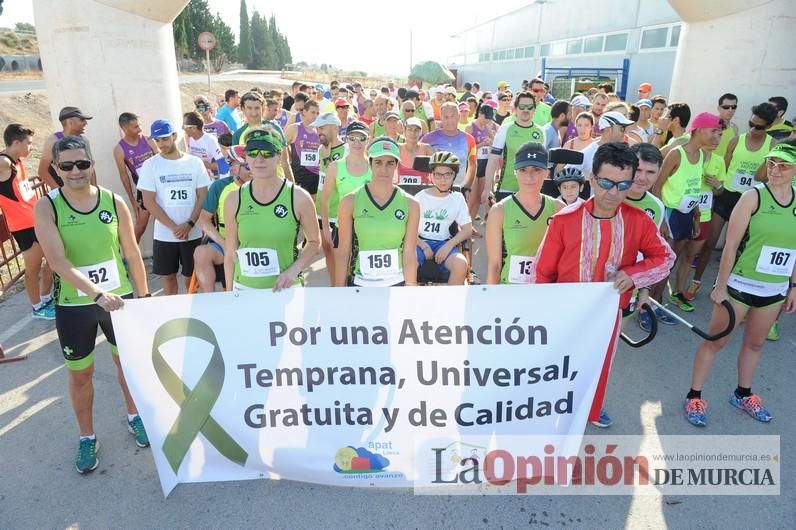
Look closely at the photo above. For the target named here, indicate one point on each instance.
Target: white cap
(580, 101)
(414, 121)
(327, 118)
(609, 119)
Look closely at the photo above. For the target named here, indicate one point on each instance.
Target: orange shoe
(690, 293)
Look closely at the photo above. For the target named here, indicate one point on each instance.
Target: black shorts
(25, 238)
(139, 198)
(77, 332)
(752, 300)
(168, 257)
(335, 235)
(307, 180)
(724, 203)
(480, 167)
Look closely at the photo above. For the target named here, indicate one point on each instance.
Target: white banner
(337, 386)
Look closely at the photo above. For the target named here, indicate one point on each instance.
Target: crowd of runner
(394, 186)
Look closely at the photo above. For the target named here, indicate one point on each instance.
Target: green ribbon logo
(195, 404)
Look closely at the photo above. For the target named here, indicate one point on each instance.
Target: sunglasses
(782, 166)
(254, 153)
(202, 108)
(530, 106)
(359, 139)
(753, 125)
(409, 111)
(729, 107)
(81, 165)
(607, 184)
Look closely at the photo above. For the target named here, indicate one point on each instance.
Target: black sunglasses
(729, 107)
(68, 166)
(607, 184)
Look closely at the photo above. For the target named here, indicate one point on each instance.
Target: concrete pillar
(737, 46)
(109, 57)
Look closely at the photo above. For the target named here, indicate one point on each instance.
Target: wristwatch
(190, 222)
(658, 131)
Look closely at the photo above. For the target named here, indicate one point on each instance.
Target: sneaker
(87, 455)
(664, 317)
(604, 422)
(773, 333)
(690, 293)
(45, 311)
(645, 321)
(136, 428)
(752, 405)
(695, 411)
(678, 300)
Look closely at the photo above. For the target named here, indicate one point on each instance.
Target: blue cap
(644, 103)
(318, 86)
(161, 129)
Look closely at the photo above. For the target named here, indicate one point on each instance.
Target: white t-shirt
(588, 158)
(206, 148)
(437, 214)
(175, 183)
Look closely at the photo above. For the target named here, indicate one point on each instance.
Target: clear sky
(367, 35)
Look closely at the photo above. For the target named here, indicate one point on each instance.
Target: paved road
(39, 487)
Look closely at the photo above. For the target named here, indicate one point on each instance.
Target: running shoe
(773, 333)
(136, 428)
(645, 321)
(695, 411)
(45, 311)
(664, 317)
(678, 300)
(752, 405)
(604, 422)
(690, 293)
(87, 455)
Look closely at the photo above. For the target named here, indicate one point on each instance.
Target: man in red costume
(600, 240)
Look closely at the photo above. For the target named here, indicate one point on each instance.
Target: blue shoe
(645, 321)
(136, 428)
(695, 411)
(663, 317)
(604, 422)
(87, 455)
(752, 405)
(45, 312)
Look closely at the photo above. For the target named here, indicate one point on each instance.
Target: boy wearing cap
(173, 185)
(644, 90)
(679, 187)
(73, 123)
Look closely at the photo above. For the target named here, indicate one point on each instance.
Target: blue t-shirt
(227, 115)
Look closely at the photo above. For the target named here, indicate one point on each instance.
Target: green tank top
(229, 188)
(765, 257)
(378, 129)
(714, 166)
(345, 183)
(91, 244)
(268, 236)
(522, 235)
(726, 135)
(651, 205)
(682, 188)
(377, 255)
(336, 153)
(516, 135)
(744, 165)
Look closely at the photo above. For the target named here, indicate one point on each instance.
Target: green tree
(245, 46)
(24, 26)
(195, 19)
(259, 41)
(225, 41)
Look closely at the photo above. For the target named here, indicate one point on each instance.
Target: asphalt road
(39, 487)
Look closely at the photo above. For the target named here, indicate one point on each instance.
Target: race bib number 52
(104, 275)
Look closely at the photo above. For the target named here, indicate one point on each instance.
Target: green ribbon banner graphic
(195, 404)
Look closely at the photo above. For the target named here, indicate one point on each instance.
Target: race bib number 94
(741, 181)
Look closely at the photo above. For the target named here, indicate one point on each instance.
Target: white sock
(89, 437)
(131, 417)
(45, 299)
(38, 306)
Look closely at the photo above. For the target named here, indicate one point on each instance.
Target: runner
(464, 117)
(17, 200)
(508, 139)
(757, 277)
(203, 146)
(423, 110)
(378, 227)
(303, 144)
(542, 114)
(377, 127)
(332, 149)
(342, 109)
(639, 195)
(516, 225)
(584, 127)
(73, 123)
(612, 129)
(411, 149)
(212, 125)
(674, 123)
(263, 222)
(559, 123)
(600, 240)
(130, 153)
(598, 104)
(644, 90)
(679, 187)
(86, 232)
(483, 130)
(228, 112)
(781, 128)
(211, 220)
(569, 182)
(578, 106)
(728, 104)
(504, 108)
(301, 99)
(173, 185)
(394, 126)
(441, 207)
(643, 131)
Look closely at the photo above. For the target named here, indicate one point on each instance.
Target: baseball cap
(451, 90)
(644, 103)
(580, 101)
(490, 103)
(161, 129)
(414, 122)
(487, 111)
(784, 151)
(412, 94)
(463, 106)
(357, 127)
(704, 120)
(318, 86)
(341, 102)
(72, 112)
(262, 139)
(384, 146)
(390, 114)
(327, 118)
(531, 154)
(646, 87)
(502, 84)
(609, 119)
(237, 153)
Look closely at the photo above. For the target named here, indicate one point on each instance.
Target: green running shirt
(522, 235)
